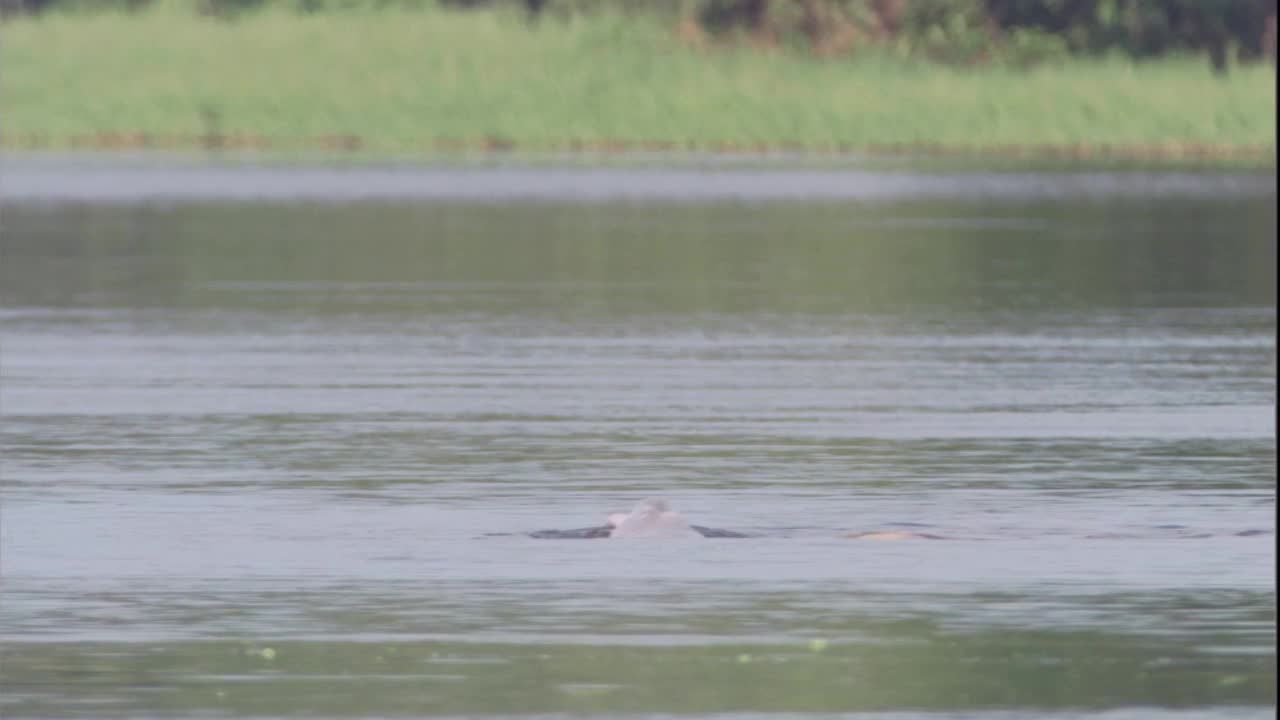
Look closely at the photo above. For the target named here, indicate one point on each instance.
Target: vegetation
(949, 30)
(403, 77)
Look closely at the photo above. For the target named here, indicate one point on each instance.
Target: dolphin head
(651, 517)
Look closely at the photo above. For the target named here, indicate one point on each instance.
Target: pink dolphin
(891, 535)
(651, 518)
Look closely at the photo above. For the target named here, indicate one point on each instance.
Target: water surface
(274, 458)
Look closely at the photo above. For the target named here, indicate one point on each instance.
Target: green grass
(403, 79)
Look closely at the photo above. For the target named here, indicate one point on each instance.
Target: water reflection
(1006, 265)
(439, 648)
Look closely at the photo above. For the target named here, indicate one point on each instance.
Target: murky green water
(258, 456)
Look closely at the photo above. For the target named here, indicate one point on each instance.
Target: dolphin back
(717, 532)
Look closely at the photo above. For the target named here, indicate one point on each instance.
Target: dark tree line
(1141, 28)
(949, 30)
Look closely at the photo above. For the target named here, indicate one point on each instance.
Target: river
(272, 439)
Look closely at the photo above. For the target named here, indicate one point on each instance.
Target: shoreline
(79, 181)
(1224, 156)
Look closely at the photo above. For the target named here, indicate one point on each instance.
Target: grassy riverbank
(403, 82)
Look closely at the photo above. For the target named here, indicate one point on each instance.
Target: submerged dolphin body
(651, 518)
(892, 535)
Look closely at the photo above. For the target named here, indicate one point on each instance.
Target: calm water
(259, 455)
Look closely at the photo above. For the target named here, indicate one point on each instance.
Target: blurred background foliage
(952, 31)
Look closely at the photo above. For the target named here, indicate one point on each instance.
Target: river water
(272, 453)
